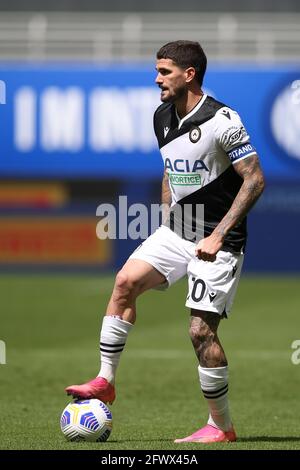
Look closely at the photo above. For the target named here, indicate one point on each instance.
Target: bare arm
(166, 197)
(252, 187)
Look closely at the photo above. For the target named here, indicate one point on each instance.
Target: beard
(174, 96)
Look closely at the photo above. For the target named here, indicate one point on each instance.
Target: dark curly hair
(185, 54)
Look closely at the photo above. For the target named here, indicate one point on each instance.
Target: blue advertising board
(80, 121)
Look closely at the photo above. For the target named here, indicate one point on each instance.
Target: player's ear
(190, 73)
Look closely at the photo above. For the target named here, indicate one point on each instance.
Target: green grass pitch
(51, 325)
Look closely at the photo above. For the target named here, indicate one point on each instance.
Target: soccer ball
(87, 420)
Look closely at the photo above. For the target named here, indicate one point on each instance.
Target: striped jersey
(199, 153)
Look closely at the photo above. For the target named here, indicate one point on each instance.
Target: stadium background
(76, 104)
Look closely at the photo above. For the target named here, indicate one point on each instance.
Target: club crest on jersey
(195, 134)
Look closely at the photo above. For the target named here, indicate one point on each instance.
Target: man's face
(171, 79)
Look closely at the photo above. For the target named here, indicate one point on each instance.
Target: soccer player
(210, 163)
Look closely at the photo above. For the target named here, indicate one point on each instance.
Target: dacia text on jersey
(183, 166)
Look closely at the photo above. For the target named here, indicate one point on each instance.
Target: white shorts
(212, 285)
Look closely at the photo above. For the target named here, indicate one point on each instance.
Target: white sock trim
(211, 376)
(122, 325)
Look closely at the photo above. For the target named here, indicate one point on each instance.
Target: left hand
(208, 247)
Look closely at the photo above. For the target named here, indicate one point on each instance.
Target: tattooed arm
(165, 196)
(248, 194)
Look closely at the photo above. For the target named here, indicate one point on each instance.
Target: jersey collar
(193, 111)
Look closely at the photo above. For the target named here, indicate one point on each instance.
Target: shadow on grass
(269, 439)
(240, 439)
(120, 441)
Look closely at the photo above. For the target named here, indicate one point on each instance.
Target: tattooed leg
(203, 333)
(213, 370)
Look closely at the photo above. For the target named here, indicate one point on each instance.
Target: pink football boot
(209, 434)
(98, 388)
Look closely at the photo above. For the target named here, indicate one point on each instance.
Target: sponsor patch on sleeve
(241, 152)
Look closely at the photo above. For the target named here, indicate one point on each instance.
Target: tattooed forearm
(250, 191)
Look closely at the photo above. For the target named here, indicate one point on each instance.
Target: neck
(186, 103)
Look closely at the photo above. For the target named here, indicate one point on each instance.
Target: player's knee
(121, 281)
(125, 284)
